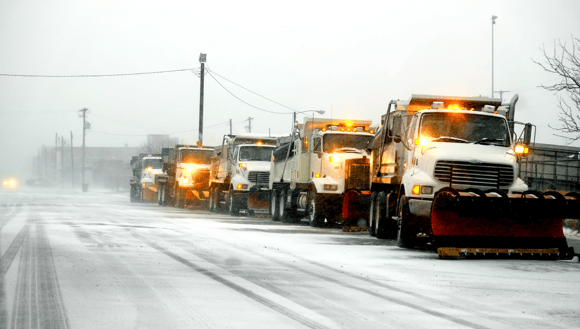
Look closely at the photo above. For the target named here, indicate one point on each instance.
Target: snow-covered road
(95, 260)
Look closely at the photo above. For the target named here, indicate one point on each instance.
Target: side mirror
(397, 126)
(528, 134)
(397, 138)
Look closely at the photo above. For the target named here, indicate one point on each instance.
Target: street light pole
(202, 58)
(493, 18)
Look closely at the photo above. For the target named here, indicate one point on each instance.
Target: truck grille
(476, 174)
(201, 178)
(259, 177)
(357, 174)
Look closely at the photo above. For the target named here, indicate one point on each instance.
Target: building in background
(105, 167)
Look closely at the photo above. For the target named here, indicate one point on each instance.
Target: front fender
(321, 181)
(417, 177)
(239, 179)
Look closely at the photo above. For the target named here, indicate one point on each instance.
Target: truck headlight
(418, 189)
(334, 158)
(243, 165)
(184, 181)
(189, 168)
(330, 187)
(242, 186)
(521, 149)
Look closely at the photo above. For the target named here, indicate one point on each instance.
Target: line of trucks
(438, 171)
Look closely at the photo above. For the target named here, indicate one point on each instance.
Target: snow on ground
(112, 263)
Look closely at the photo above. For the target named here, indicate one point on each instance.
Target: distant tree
(155, 143)
(565, 62)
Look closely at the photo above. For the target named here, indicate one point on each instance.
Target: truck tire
(406, 237)
(233, 203)
(132, 194)
(385, 227)
(274, 206)
(372, 214)
(282, 213)
(212, 196)
(287, 215)
(315, 211)
(161, 195)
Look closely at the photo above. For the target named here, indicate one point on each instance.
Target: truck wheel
(233, 204)
(315, 213)
(385, 227)
(274, 206)
(212, 199)
(406, 238)
(132, 194)
(286, 215)
(372, 214)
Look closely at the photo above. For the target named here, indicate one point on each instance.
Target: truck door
(316, 156)
(411, 132)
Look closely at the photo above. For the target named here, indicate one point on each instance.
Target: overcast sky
(346, 58)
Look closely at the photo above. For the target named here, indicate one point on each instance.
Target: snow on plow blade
(474, 222)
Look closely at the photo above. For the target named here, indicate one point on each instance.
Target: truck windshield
(256, 153)
(343, 142)
(465, 128)
(154, 163)
(199, 156)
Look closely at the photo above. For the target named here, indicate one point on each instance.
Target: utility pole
(202, 58)
(249, 126)
(493, 18)
(84, 133)
(501, 92)
(72, 161)
(230, 126)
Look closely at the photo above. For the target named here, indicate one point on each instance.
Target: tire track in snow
(150, 314)
(337, 307)
(246, 292)
(38, 301)
(393, 300)
(8, 256)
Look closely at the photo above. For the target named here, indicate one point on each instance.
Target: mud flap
(475, 222)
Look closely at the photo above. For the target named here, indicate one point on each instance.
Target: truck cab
(238, 172)
(430, 143)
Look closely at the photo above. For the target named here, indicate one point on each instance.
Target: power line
(36, 112)
(255, 93)
(211, 75)
(91, 75)
(172, 133)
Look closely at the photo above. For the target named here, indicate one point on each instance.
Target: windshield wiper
(348, 150)
(450, 139)
(489, 140)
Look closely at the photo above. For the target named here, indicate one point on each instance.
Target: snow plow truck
(444, 171)
(145, 168)
(316, 166)
(185, 177)
(239, 172)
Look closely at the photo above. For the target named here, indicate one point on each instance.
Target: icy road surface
(95, 260)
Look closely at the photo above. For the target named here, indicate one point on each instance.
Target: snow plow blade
(150, 193)
(527, 225)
